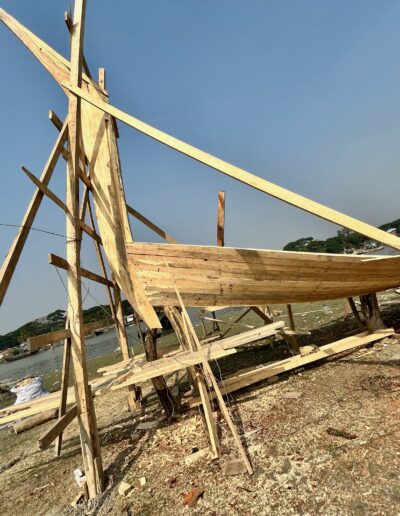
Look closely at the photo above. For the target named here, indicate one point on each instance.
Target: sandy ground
(299, 467)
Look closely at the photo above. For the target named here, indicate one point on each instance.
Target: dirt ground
(299, 466)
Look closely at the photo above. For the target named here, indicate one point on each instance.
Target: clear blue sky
(303, 93)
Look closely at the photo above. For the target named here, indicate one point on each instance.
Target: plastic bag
(28, 389)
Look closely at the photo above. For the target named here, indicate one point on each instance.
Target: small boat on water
(13, 358)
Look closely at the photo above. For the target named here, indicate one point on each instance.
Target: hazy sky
(303, 93)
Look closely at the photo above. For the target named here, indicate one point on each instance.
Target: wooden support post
(86, 415)
(56, 431)
(221, 219)
(200, 383)
(64, 387)
(257, 310)
(371, 313)
(293, 338)
(159, 383)
(133, 398)
(356, 314)
(174, 316)
(235, 322)
(210, 377)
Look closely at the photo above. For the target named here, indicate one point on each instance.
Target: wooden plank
(249, 377)
(210, 377)
(236, 321)
(68, 23)
(150, 225)
(58, 428)
(63, 388)
(292, 338)
(133, 399)
(261, 314)
(221, 219)
(14, 253)
(40, 341)
(242, 175)
(55, 120)
(45, 190)
(59, 262)
(357, 317)
(184, 359)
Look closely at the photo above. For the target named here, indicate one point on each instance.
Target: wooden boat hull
(223, 276)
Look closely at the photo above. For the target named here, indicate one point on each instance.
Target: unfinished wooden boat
(206, 275)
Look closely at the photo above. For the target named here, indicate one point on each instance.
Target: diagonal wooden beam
(14, 253)
(45, 190)
(239, 174)
(70, 27)
(51, 195)
(151, 225)
(55, 120)
(57, 261)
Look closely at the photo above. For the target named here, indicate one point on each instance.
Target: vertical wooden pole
(64, 388)
(371, 313)
(159, 383)
(133, 399)
(357, 317)
(210, 377)
(293, 338)
(221, 219)
(86, 417)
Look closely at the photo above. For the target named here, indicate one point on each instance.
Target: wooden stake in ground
(293, 338)
(221, 219)
(357, 317)
(371, 313)
(210, 377)
(64, 387)
(159, 383)
(86, 416)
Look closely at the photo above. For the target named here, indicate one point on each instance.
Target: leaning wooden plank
(242, 175)
(169, 365)
(57, 261)
(58, 428)
(45, 190)
(39, 341)
(143, 370)
(14, 253)
(63, 388)
(36, 420)
(250, 377)
(150, 225)
(190, 332)
(183, 359)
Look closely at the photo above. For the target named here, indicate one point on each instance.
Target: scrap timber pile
(170, 277)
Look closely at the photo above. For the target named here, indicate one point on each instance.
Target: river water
(51, 359)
